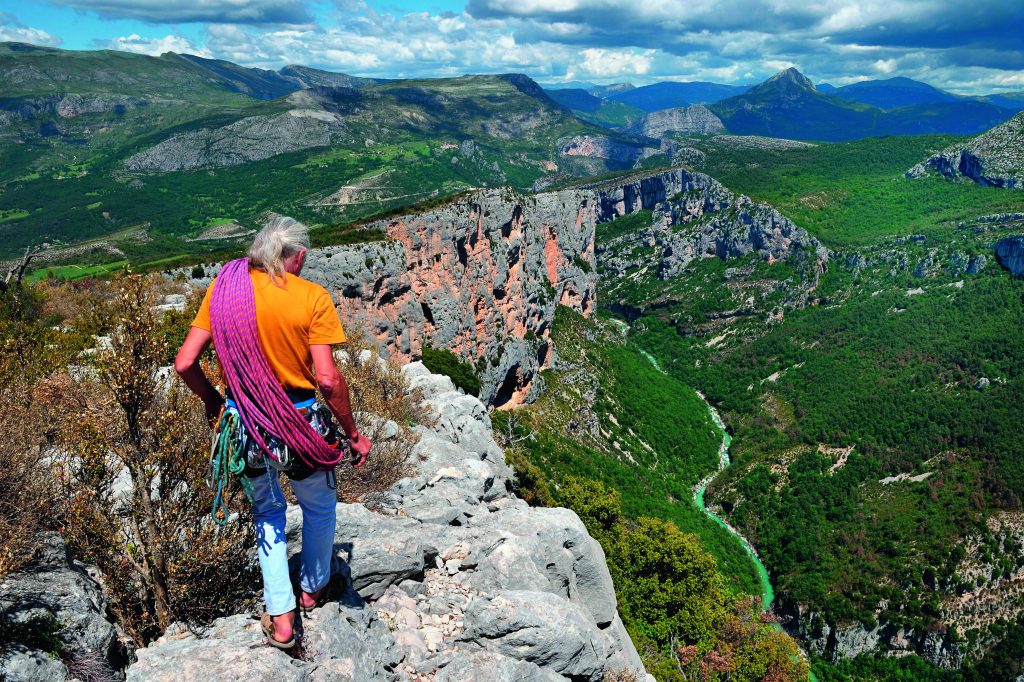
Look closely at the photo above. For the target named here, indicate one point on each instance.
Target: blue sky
(968, 47)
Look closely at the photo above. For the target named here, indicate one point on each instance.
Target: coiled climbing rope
(262, 403)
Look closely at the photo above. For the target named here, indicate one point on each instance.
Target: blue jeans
(318, 501)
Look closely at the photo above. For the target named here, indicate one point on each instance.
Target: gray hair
(280, 238)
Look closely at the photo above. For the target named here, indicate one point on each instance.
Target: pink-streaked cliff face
(480, 277)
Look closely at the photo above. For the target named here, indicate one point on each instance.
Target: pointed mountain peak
(789, 78)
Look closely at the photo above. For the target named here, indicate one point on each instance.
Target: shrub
(134, 447)
(445, 362)
(28, 496)
(381, 401)
(29, 499)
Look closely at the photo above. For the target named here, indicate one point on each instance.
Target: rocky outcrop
(250, 139)
(694, 216)
(70, 106)
(994, 158)
(694, 119)
(53, 616)
(482, 275)
(1010, 253)
(597, 147)
(455, 579)
(836, 642)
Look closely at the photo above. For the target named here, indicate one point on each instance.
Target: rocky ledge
(1010, 253)
(694, 216)
(454, 579)
(52, 616)
(995, 158)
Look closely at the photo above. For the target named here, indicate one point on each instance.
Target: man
(296, 323)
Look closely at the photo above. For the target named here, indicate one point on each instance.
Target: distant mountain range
(790, 105)
(100, 143)
(669, 94)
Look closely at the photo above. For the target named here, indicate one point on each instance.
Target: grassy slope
(408, 159)
(852, 193)
(649, 407)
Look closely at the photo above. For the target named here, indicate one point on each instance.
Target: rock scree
(454, 579)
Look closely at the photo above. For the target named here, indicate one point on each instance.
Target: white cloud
(885, 65)
(14, 31)
(732, 41)
(600, 63)
(157, 46)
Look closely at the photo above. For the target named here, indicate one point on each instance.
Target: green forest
(851, 194)
(874, 430)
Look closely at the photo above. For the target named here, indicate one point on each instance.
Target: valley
(764, 340)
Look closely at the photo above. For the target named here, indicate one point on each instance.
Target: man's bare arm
(186, 364)
(334, 388)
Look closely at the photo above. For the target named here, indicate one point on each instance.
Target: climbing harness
(234, 453)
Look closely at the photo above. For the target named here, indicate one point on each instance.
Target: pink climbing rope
(261, 400)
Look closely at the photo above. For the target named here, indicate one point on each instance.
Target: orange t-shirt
(289, 318)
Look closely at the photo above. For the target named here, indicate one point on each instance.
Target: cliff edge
(454, 579)
(994, 158)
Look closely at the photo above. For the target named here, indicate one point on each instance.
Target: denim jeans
(318, 501)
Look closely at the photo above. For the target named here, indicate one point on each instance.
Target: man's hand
(213, 409)
(360, 449)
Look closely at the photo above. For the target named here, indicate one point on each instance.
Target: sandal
(267, 623)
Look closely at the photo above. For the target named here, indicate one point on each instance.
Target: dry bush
(29, 496)
(380, 396)
(135, 451)
(620, 675)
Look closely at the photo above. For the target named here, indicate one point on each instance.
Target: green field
(853, 193)
(75, 271)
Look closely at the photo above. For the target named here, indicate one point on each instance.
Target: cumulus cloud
(208, 11)
(13, 30)
(362, 41)
(967, 48)
(604, 64)
(835, 40)
(156, 46)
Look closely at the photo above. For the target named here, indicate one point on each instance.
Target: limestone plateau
(993, 158)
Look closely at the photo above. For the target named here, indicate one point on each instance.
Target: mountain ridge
(788, 105)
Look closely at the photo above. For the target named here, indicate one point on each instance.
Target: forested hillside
(875, 461)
